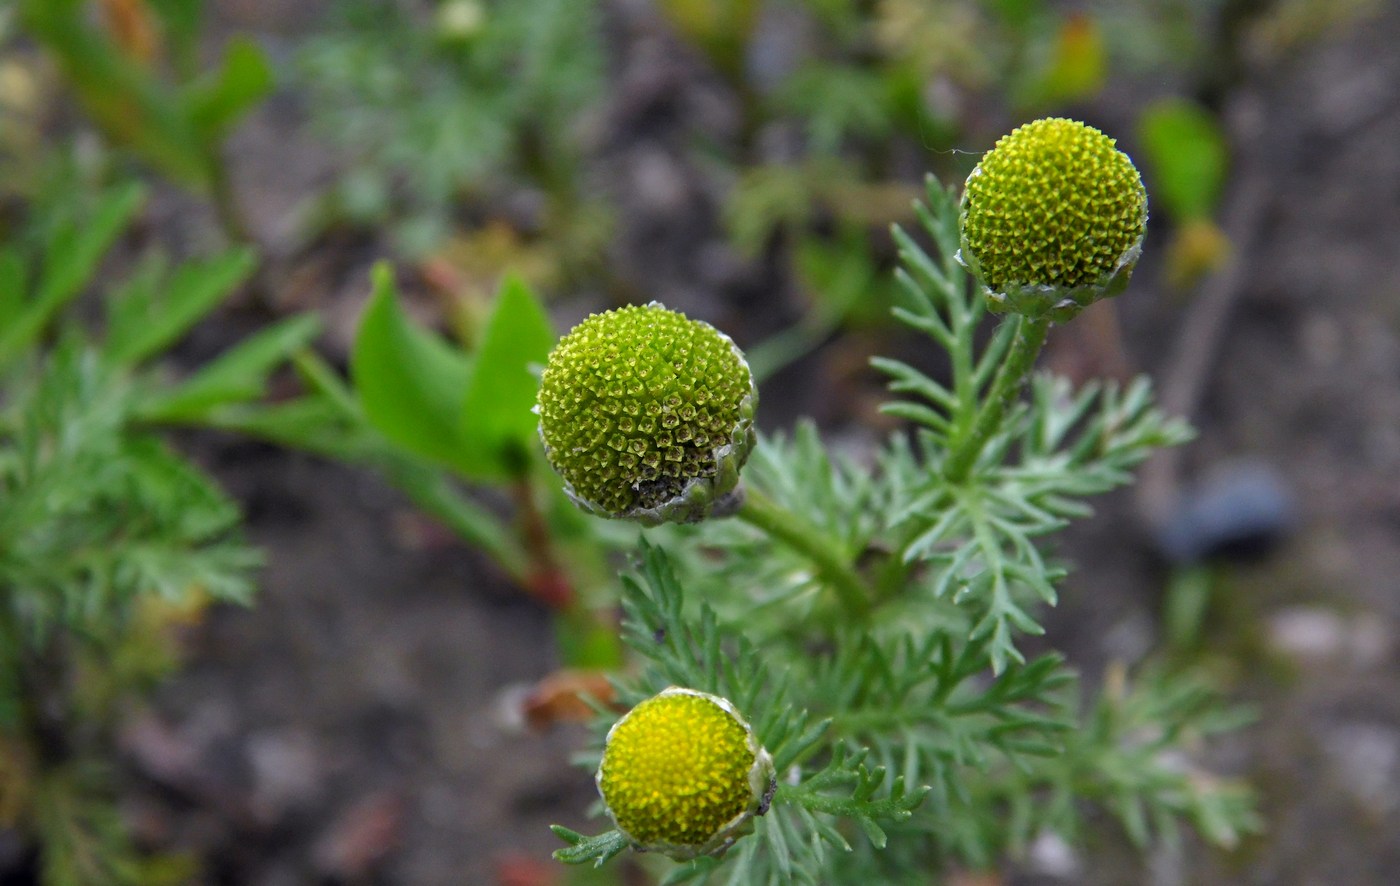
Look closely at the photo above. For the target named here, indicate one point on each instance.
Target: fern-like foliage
(939, 552)
(96, 511)
(108, 537)
(931, 685)
(97, 516)
(1030, 478)
(791, 841)
(433, 102)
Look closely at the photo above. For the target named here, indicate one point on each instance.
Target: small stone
(1311, 635)
(1366, 758)
(1051, 855)
(1238, 509)
(287, 773)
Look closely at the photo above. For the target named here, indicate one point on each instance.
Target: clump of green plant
(138, 80)
(438, 104)
(864, 623)
(1189, 160)
(108, 537)
(449, 425)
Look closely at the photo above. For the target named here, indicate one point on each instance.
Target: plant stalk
(761, 512)
(1030, 338)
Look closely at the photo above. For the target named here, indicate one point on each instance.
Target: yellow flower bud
(683, 774)
(647, 415)
(1053, 219)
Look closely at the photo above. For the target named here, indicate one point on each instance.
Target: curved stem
(1030, 337)
(226, 208)
(761, 512)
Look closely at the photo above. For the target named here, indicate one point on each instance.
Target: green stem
(226, 207)
(891, 578)
(761, 512)
(1030, 337)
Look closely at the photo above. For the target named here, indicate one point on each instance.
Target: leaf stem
(545, 580)
(1025, 347)
(781, 524)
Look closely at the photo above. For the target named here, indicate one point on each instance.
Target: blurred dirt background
(356, 725)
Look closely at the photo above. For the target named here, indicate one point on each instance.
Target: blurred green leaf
(722, 28)
(321, 380)
(409, 381)
(73, 253)
(143, 324)
(499, 427)
(838, 102)
(765, 199)
(244, 80)
(172, 127)
(181, 20)
(327, 422)
(1078, 64)
(844, 283)
(82, 833)
(1186, 156)
(312, 423)
(1018, 14)
(126, 100)
(238, 375)
(11, 286)
(428, 115)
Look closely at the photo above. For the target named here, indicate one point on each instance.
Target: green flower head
(647, 415)
(683, 774)
(1053, 219)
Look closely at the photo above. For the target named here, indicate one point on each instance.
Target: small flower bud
(647, 415)
(684, 775)
(1052, 219)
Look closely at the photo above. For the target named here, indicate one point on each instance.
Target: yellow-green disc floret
(647, 414)
(682, 774)
(1053, 207)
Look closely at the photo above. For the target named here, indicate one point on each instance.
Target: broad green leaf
(189, 294)
(1186, 156)
(244, 80)
(72, 258)
(238, 375)
(499, 426)
(409, 381)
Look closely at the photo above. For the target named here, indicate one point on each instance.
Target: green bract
(647, 415)
(1053, 219)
